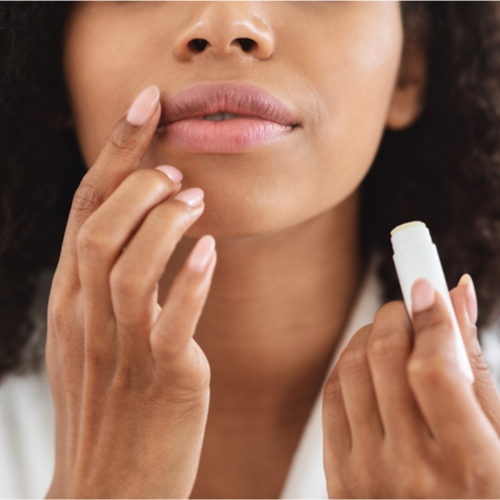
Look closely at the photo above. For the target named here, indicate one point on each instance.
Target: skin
(127, 376)
(397, 407)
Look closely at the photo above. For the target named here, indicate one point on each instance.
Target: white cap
(408, 234)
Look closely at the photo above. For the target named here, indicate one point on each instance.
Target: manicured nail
(201, 253)
(191, 196)
(144, 106)
(173, 173)
(422, 295)
(471, 301)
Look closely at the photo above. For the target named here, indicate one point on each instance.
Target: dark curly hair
(444, 170)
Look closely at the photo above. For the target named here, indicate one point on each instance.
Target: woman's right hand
(130, 385)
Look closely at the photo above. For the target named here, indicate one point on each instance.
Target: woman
(304, 92)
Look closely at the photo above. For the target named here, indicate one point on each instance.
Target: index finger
(120, 156)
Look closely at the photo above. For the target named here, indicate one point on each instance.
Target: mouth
(224, 118)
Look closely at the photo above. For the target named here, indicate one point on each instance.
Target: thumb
(464, 300)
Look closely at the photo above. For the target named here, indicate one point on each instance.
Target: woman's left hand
(400, 419)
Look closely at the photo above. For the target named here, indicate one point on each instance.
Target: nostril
(246, 44)
(198, 44)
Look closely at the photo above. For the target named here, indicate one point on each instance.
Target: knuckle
(174, 217)
(352, 361)
(125, 284)
(91, 242)
(59, 281)
(396, 308)
(431, 319)
(389, 338)
(431, 371)
(189, 385)
(161, 347)
(387, 345)
(86, 198)
(57, 311)
(332, 391)
(364, 331)
(378, 345)
(123, 141)
(168, 347)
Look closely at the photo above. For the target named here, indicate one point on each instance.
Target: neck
(276, 308)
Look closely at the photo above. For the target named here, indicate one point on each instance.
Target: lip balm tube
(415, 256)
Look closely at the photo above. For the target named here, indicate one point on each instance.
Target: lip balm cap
(410, 233)
(415, 223)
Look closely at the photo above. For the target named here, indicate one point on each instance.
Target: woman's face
(334, 65)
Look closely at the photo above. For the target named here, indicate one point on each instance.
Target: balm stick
(416, 256)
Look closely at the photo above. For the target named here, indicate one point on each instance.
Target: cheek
(352, 62)
(103, 69)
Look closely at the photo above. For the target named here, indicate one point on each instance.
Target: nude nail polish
(423, 295)
(191, 196)
(144, 105)
(174, 174)
(201, 253)
(471, 301)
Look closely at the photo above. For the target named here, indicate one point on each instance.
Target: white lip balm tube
(416, 256)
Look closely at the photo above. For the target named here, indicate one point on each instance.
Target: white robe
(27, 418)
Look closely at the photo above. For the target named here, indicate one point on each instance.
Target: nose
(222, 29)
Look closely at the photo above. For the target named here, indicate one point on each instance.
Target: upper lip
(241, 99)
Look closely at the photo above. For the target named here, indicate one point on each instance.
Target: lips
(261, 118)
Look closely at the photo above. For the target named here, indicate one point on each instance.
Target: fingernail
(471, 301)
(143, 107)
(422, 295)
(201, 253)
(191, 196)
(173, 173)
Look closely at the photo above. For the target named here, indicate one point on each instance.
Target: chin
(252, 221)
(224, 227)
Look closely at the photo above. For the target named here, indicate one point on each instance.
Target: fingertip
(471, 298)
(144, 106)
(423, 295)
(174, 174)
(192, 196)
(201, 254)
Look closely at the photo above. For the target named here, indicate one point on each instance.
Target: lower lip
(228, 136)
